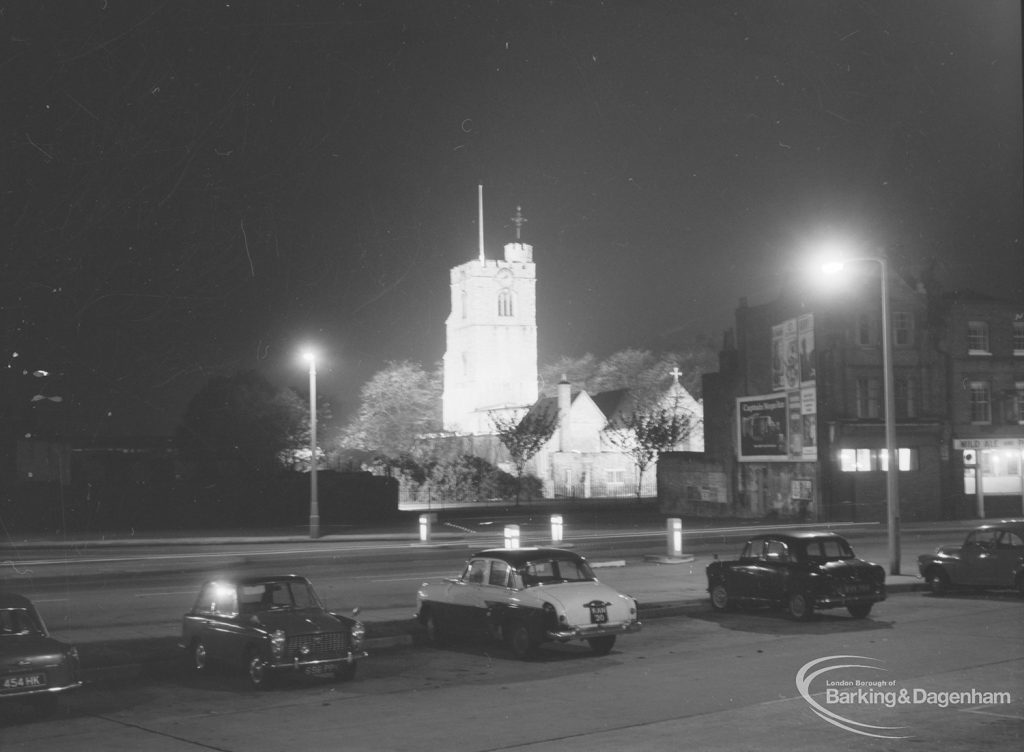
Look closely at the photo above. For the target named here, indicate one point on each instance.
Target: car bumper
(859, 599)
(587, 632)
(326, 664)
(15, 695)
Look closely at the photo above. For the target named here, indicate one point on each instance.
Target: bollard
(511, 536)
(675, 536)
(556, 528)
(425, 520)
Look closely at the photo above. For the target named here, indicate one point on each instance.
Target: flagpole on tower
(480, 219)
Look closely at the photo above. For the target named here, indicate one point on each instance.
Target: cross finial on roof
(519, 220)
(676, 373)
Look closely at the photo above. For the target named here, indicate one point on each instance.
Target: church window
(505, 308)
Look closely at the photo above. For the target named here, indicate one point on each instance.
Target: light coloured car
(34, 666)
(526, 597)
(991, 556)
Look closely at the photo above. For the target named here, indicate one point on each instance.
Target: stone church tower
(490, 363)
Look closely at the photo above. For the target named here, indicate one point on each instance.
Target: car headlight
(277, 641)
(358, 634)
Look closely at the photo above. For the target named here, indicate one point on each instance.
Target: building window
(977, 338)
(465, 304)
(869, 398)
(1018, 337)
(906, 398)
(865, 330)
(505, 303)
(981, 402)
(903, 328)
(868, 460)
(616, 477)
(906, 459)
(1018, 399)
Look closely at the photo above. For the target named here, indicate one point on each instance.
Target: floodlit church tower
(490, 363)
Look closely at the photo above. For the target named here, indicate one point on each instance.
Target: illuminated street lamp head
(309, 355)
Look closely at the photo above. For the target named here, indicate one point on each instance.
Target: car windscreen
(19, 621)
(827, 549)
(548, 571)
(277, 595)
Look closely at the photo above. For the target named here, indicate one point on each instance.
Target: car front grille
(317, 646)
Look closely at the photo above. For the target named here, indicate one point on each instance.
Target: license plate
(23, 681)
(858, 587)
(598, 613)
(317, 669)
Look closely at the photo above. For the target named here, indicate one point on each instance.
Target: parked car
(269, 626)
(526, 597)
(800, 571)
(34, 666)
(992, 556)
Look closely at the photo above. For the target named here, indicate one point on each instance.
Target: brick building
(795, 417)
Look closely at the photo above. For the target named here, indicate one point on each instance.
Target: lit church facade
(490, 367)
(490, 364)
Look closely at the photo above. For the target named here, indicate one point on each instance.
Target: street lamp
(314, 509)
(892, 465)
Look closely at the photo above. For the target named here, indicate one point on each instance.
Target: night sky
(196, 188)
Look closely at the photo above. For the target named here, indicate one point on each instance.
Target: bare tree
(524, 437)
(647, 430)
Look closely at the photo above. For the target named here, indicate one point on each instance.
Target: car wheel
(520, 641)
(938, 582)
(200, 659)
(345, 671)
(860, 611)
(799, 606)
(602, 645)
(259, 674)
(720, 598)
(435, 634)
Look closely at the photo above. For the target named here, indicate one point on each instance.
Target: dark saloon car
(992, 556)
(799, 571)
(34, 666)
(269, 626)
(527, 596)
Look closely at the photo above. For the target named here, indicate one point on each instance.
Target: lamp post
(314, 508)
(889, 386)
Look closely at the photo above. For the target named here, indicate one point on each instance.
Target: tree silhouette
(647, 430)
(524, 436)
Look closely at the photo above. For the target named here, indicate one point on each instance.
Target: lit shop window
(868, 460)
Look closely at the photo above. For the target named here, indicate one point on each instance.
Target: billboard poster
(778, 357)
(805, 339)
(777, 427)
(762, 427)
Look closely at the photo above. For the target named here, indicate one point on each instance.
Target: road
(132, 590)
(705, 681)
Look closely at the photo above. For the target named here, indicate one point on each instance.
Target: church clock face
(504, 277)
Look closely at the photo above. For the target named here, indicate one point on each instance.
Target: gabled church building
(583, 459)
(490, 368)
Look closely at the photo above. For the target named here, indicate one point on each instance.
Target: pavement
(662, 585)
